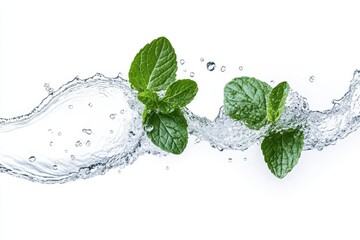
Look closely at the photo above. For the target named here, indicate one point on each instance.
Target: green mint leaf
(277, 101)
(179, 94)
(282, 151)
(245, 99)
(150, 99)
(167, 131)
(154, 67)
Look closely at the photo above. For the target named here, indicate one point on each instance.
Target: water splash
(103, 130)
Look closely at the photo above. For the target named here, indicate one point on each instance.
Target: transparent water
(89, 126)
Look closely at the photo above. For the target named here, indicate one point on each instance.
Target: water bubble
(272, 82)
(184, 70)
(88, 143)
(32, 159)
(66, 151)
(59, 133)
(119, 172)
(122, 111)
(182, 61)
(241, 68)
(72, 157)
(167, 168)
(245, 158)
(78, 144)
(211, 66)
(312, 79)
(111, 131)
(197, 140)
(192, 74)
(148, 127)
(55, 167)
(50, 130)
(90, 104)
(87, 131)
(70, 106)
(51, 143)
(201, 59)
(113, 115)
(223, 68)
(230, 160)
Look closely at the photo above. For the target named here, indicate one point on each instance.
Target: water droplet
(51, 143)
(70, 106)
(78, 144)
(211, 66)
(201, 59)
(88, 143)
(32, 159)
(59, 133)
(90, 104)
(312, 79)
(87, 131)
(192, 74)
(241, 68)
(55, 167)
(148, 127)
(72, 157)
(223, 68)
(229, 160)
(111, 131)
(122, 111)
(272, 82)
(182, 61)
(167, 167)
(113, 115)
(245, 158)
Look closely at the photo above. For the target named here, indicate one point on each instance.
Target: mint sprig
(256, 104)
(152, 71)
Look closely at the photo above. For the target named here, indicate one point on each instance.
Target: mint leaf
(150, 99)
(277, 101)
(154, 67)
(282, 151)
(179, 94)
(168, 131)
(245, 99)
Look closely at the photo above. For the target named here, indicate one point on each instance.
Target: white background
(202, 195)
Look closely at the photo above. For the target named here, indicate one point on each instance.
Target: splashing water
(103, 130)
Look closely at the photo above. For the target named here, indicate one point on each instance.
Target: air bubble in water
(113, 115)
(211, 66)
(122, 111)
(167, 167)
(111, 131)
(182, 61)
(50, 130)
(32, 159)
(66, 151)
(223, 68)
(48, 88)
(78, 144)
(55, 167)
(119, 172)
(87, 131)
(70, 106)
(72, 157)
(192, 74)
(230, 160)
(201, 59)
(272, 82)
(88, 143)
(90, 104)
(245, 158)
(241, 68)
(59, 133)
(312, 79)
(51, 143)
